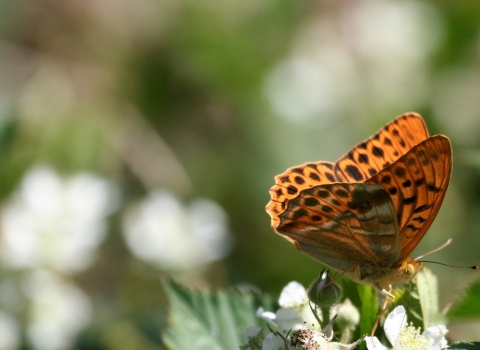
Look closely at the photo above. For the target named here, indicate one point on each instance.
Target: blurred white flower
(9, 332)
(57, 312)
(371, 54)
(162, 231)
(299, 89)
(56, 223)
(273, 342)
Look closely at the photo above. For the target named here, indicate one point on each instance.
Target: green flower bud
(324, 292)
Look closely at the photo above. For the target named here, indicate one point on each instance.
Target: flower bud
(324, 292)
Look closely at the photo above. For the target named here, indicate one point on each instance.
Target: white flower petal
(395, 321)
(293, 295)
(374, 344)
(272, 342)
(437, 337)
(268, 316)
(250, 332)
(288, 319)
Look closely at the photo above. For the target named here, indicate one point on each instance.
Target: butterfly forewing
(343, 225)
(382, 149)
(417, 183)
(289, 185)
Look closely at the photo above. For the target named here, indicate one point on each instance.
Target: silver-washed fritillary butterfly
(365, 213)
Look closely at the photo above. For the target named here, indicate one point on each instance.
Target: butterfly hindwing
(343, 225)
(417, 183)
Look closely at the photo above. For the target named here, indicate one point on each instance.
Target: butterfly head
(392, 275)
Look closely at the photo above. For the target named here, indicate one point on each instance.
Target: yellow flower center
(410, 338)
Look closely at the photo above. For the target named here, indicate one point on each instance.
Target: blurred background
(139, 139)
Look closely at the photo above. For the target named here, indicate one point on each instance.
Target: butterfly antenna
(436, 250)
(474, 267)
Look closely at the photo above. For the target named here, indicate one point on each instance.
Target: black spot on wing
(378, 152)
(292, 189)
(386, 179)
(422, 208)
(400, 172)
(353, 171)
(299, 180)
(363, 158)
(341, 193)
(310, 202)
(297, 170)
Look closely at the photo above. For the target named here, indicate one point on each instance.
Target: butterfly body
(365, 213)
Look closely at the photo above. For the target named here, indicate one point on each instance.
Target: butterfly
(365, 213)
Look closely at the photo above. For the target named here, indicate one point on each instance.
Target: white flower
(57, 312)
(293, 296)
(407, 337)
(9, 332)
(162, 231)
(295, 311)
(284, 319)
(54, 222)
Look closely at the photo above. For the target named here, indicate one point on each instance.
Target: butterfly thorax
(382, 277)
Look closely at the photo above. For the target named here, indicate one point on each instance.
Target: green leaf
(8, 130)
(469, 304)
(427, 287)
(210, 320)
(461, 345)
(369, 308)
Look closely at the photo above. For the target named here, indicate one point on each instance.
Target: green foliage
(210, 320)
(468, 307)
(461, 345)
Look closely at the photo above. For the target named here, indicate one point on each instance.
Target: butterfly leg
(389, 298)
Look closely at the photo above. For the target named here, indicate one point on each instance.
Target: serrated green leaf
(461, 345)
(469, 304)
(210, 320)
(427, 287)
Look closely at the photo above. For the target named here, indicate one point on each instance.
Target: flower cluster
(294, 326)
(296, 316)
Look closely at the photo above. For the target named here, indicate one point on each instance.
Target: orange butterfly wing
(382, 149)
(294, 180)
(343, 225)
(405, 176)
(417, 183)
